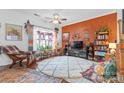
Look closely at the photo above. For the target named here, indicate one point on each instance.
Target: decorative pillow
(110, 70)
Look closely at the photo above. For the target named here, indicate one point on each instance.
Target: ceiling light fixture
(55, 21)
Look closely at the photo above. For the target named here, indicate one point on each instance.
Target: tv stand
(77, 53)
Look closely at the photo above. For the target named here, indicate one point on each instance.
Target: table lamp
(112, 47)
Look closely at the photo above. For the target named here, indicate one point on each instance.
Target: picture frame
(13, 32)
(66, 36)
(86, 35)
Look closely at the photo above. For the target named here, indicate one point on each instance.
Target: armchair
(16, 55)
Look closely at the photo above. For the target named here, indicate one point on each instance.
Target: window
(43, 39)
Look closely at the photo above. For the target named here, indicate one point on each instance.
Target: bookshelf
(101, 46)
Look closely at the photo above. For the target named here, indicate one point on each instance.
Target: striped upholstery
(11, 49)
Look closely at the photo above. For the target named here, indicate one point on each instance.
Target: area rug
(26, 75)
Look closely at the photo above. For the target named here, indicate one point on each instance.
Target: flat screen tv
(78, 44)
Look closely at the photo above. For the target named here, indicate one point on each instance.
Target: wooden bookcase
(101, 46)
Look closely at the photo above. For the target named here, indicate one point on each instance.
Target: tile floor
(26, 75)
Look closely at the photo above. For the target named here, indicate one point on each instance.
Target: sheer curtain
(43, 38)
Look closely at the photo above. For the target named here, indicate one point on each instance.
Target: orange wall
(91, 26)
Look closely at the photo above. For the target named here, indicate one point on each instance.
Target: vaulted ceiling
(72, 15)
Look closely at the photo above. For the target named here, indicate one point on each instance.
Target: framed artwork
(13, 32)
(66, 36)
(76, 36)
(86, 35)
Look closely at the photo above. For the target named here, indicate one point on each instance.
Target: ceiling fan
(56, 18)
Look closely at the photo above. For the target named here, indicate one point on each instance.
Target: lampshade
(112, 45)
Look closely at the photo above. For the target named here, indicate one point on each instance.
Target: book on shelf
(102, 37)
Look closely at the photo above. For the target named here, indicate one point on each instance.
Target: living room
(61, 45)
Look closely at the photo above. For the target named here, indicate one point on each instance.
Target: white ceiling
(72, 15)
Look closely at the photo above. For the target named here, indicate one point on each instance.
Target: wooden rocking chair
(16, 55)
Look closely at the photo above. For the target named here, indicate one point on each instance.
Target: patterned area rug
(26, 75)
(66, 67)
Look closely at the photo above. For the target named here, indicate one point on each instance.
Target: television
(78, 44)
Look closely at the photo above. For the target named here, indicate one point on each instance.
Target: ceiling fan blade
(48, 18)
(51, 21)
(63, 19)
(60, 22)
(36, 14)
